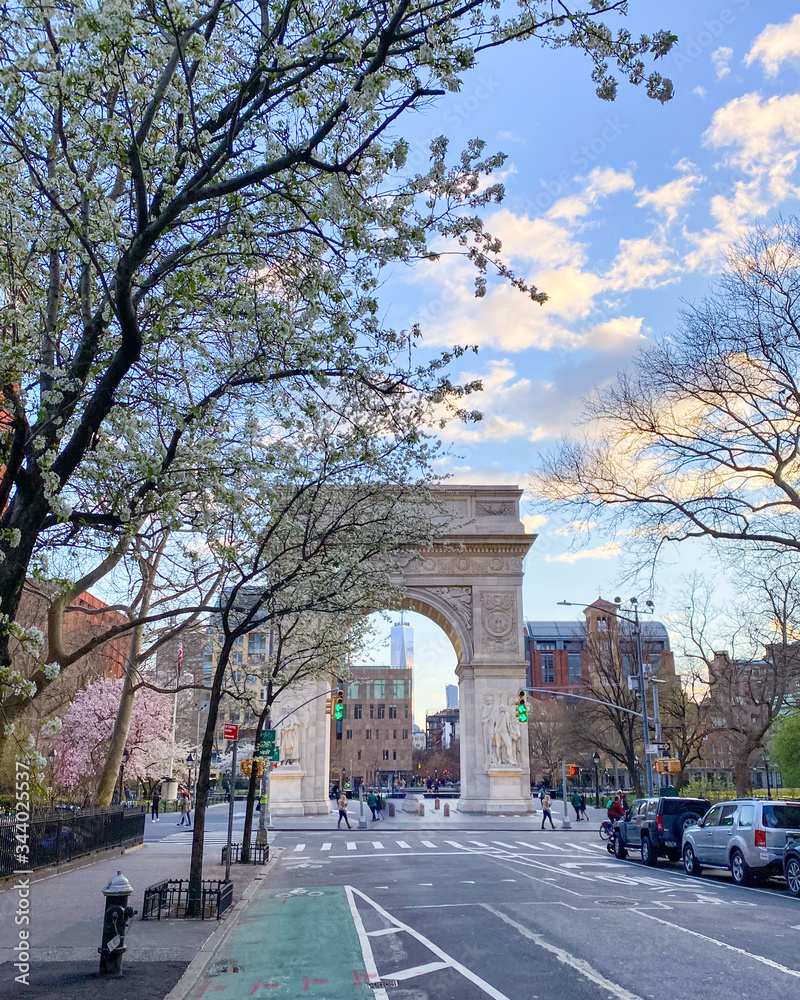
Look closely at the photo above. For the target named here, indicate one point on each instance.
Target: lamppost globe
(596, 762)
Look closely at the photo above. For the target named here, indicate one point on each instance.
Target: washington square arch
(469, 583)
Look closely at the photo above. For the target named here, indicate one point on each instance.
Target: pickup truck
(655, 827)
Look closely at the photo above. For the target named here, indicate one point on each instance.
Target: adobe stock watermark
(690, 49)
(22, 915)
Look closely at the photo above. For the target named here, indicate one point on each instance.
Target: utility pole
(642, 693)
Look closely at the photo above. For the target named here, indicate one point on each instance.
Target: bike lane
(288, 943)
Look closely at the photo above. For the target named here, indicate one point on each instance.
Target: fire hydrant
(115, 923)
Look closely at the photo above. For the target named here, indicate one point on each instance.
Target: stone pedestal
(286, 792)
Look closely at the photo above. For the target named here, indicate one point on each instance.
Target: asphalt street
(543, 914)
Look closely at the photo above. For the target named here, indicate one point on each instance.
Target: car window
(781, 817)
(746, 814)
(712, 817)
(651, 808)
(726, 819)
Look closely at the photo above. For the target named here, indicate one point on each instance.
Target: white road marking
(326, 847)
(795, 927)
(466, 881)
(366, 947)
(723, 944)
(377, 845)
(383, 930)
(578, 964)
(509, 880)
(553, 847)
(351, 845)
(455, 843)
(447, 960)
(427, 883)
(501, 843)
(427, 843)
(477, 843)
(403, 844)
(299, 847)
(419, 970)
(532, 847)
(578, 847)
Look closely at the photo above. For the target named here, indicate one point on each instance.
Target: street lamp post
(122, 764)
(596, 762)
(766, 768)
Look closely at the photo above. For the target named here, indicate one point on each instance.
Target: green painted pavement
(289, 943)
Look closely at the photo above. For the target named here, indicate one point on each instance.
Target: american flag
(180, 654)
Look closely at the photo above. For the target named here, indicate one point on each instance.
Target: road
(509, 916)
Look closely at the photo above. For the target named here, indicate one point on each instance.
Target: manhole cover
(221, 968)
(615, 902)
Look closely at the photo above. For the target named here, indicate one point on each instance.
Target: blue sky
(621, 212)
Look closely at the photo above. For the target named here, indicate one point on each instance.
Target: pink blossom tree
(82, 742)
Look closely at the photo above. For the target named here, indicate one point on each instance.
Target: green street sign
(267, 745)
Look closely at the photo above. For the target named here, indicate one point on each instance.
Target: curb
(193, 973)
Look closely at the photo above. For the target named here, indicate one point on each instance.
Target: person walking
(372, 802)
(583, 808)
(546, 814)
(156, 803)
(186, 808)
(576, 805)
(342, 804)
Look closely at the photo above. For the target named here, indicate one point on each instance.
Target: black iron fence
(172, 898)
(57, 836)
(259, 854)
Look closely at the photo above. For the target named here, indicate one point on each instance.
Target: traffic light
(573, 770)
(329, 705)
(522, 708)
(338, 707)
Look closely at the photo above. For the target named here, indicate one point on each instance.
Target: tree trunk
(253, 784)
(741, 773)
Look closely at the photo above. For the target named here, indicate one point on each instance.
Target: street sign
(651, 748)
(266, 744)
(633, 683)
(230, 731)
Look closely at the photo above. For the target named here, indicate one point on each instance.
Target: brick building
(372, 743)
(442, 729)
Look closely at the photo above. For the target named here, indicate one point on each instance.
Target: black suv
(655, 827)
(791, 864)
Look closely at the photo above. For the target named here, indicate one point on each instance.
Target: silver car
(748, 836)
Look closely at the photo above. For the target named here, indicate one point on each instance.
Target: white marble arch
(469, 583)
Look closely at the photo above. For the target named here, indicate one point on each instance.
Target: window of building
(574, 664)
(372, 711)
(236, 659)
(406, 708)
(385, 754)
(368, 734)
(654, 659)
(379, 690)
(399, 689)
(359, 755)
(349, 734)
(394, 734)
(357, 711)
(262, 694)
(393, 711)
(394, 755)
(545, 645)
(352, 690)
(405, 734)
(238, 641)
(377, 734)
(365, 685)
(381, 711)
(548, 668)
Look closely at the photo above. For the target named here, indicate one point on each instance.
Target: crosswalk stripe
(501, 843)
(427, 843)
(477, 843)
(299, 847)
(553, 847)
(402, 843)
(532, 847)
(579, 847)
(377, 845)
(326, 847)
(455, 843)
(351, 845)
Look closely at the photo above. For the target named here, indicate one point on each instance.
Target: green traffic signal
(338, 709)
(522, 709)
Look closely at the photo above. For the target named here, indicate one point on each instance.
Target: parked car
(791, 864)
(655, 827)
(746, 836)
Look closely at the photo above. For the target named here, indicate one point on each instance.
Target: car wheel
(619, 848)
(792, 872)
(649, 856)
(683, 822)
(690, 863)
(610, 846)
(741, 872)
(673, 854)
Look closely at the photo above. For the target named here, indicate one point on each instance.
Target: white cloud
(721, 57)
(641, 263)
(607, 551)
(533, 522)
(700, 91)
(601, 183)
(777, 44)
(671, 197)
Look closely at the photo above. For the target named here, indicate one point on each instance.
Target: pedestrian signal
(573, 770)
(338, 707)
(522, 708)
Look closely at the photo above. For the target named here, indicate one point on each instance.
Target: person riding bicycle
(615, 810)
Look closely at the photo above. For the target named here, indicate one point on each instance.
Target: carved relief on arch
(458, 600)
(498, 619)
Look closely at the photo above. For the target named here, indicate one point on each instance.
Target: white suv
(748, 836)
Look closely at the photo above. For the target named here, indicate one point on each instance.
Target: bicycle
(606, 830)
